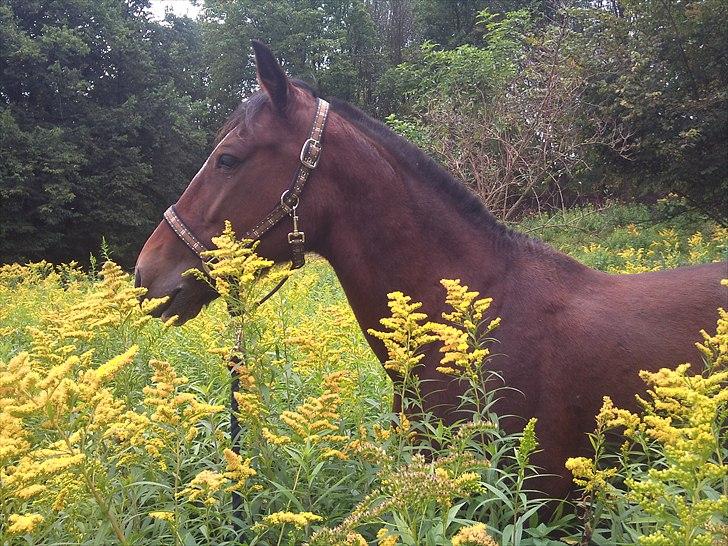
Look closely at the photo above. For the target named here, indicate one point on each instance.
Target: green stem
(176, 490)
(105, 508)
(288, 505)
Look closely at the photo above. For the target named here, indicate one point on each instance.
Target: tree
(99, 131)
(449, 23)
(664, 75)
(395, 20)
(333, 45)
(507, 119)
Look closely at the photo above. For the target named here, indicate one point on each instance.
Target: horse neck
(388, 229)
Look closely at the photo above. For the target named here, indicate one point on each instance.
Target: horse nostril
(137, 278)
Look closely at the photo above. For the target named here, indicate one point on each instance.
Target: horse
(389, 218)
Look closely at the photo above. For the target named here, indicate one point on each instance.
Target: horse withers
(388, 218)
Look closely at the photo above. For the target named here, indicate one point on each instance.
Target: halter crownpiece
(288, 205)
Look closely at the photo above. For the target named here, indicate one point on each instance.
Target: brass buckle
(304, 153)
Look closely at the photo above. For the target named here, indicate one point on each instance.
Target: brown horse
(388, 218)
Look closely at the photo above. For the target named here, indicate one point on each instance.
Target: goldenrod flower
(250, 407)
(463, 336)
(315, 419)
(473, 535)
(334, 454)
(610, 417)
(234, 264)
(355, 539)
(385, 538)
(163, 516)
(204, 488)
(21, 524)
(587, 475)
(380, 433)
(30, 491)
(110, 369)
(297, 519)
(407, 332)
(274, 439)
(238, 470)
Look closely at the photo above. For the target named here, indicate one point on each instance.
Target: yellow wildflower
(109, 369)
(164, 516)
(250, 406)
(466, 309)
(610, 416)
(274, 439)
(234, 263)
(25, 523)
(385, 538)
(463, 337)
(473, 535)
(13, 436)
(355, 539)
(404, 424)
(238, 470)
(316, 418)
(407, 332)
(334, 454)
(204, 487)
(381, 433)
(587, 475)
(297, 519)
(30, 491)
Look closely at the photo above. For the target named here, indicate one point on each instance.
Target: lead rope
(310, 154)
(234, 365)
(237, 500)
(288, 206)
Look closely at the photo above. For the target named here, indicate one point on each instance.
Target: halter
(288, 205)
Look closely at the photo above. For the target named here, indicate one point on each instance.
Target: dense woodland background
(106, 114)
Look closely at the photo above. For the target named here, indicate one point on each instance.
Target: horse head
(259, 151)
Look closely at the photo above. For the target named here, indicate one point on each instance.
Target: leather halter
(309, 158)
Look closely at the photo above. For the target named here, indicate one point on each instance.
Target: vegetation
(115, 428)
(105, 114)
(99, 125)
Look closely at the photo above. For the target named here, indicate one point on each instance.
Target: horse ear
(270, 75)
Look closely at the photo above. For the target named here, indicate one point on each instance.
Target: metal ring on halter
(290, 208)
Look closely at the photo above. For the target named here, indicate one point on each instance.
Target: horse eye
(227, 161)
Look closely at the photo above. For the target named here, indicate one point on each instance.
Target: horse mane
(412, 157)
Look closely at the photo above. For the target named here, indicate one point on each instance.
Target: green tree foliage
(100, 115)
(105, 114)
(450, 23)
(626, 99)
(334, 45)
(664, 68)
(505, 117)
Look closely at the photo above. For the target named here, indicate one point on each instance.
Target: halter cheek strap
(288, 205)
(188, 238)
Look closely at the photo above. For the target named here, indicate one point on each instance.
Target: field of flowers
(114, 427)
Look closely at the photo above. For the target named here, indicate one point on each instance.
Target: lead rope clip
(295, 236)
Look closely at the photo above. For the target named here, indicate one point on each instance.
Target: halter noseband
(309, 158)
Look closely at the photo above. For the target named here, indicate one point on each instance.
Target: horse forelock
(249, 108)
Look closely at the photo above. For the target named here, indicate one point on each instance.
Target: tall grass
(115, 426)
